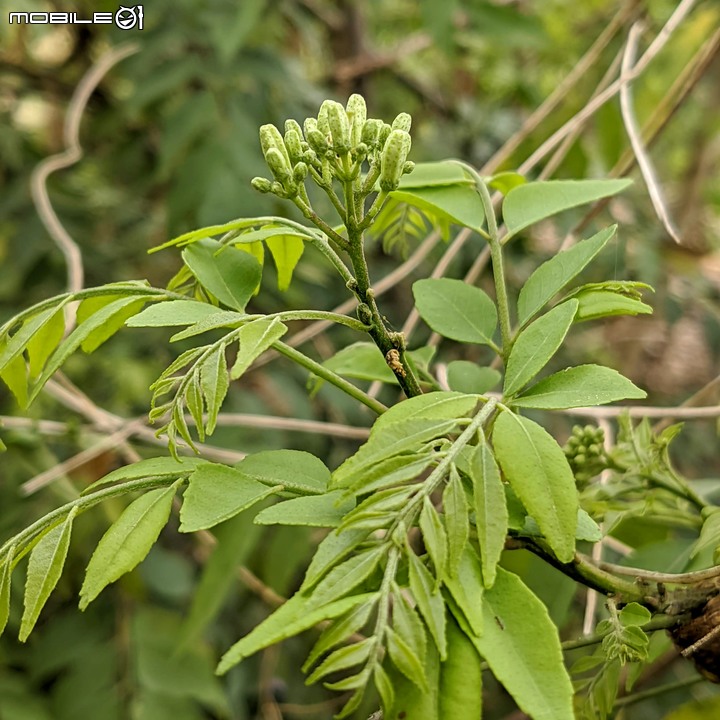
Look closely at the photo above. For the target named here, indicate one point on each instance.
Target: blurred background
(170, 144)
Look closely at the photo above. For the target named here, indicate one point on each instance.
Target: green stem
(660, 690)
(374, 209)
(316, 220)
(501, 293)
(290, 315)
(659, 622)
(333, 378)
(83, 503)
(438, 474)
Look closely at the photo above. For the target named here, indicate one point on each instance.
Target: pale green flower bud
(261, 184)
(402, 122)
(292, 143)
(270, 138)
(322, 118)
(315, 138)
(384, 134)
(291, 124)
(357, 114)
(339, 127)
(408, 167)
(278, 165)
(300, 172)
(392, 160)
(277, 189)
(371, 132)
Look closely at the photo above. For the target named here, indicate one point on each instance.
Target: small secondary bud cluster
(585, 451)
(335, 145)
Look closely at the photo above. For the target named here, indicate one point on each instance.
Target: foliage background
(170, 142)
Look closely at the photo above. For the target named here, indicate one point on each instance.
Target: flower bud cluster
(585, 452)
(335, 145)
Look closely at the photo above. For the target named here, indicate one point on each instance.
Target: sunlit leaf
(127, 541)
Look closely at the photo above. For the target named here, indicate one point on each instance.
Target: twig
(72, 154)
(637, 411)
(594, 105)
(643, 160)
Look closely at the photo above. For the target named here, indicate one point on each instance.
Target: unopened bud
(322, 118)
(402, 122)
(291, 124)
(300, 172)
(408, 167)
(261, 184)
(278, 165)
(392, 160)
(271, 139)
(292, 143)
(384, 134)
(371, 132)
(339, 127)
(357, 114)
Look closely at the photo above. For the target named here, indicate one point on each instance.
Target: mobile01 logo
(126, 18)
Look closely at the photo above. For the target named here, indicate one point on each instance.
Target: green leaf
(635, 615)
(536, 468)
(111, 322)
(214, 384)
(174, 312)
(333, 548)
(456, 310)
(434, 537)
(532, 202)
(522, 648)
(255, 338)
(536, 344)
(326, 510)
(5, 578)
(44, 341)
(469, 377)
(286, 250)
(346, 576)
(458, 204)
(504, 182)
(587, 528)
(44, 569)
(491, 515)
(15, 376)
(395, 439)
(554, 274)
(339, 631)
(363, 361)
(295, 470)
(411, 702)
(429, 601)
(408, 625)
(467, 589)
(342, 659)
(127, 541)
(216, 493)
(19, 341)
(581, 386)
(435, 174)
(455, 509)
(152, 467)
(460, 694)
(429, 406)
(107, 314)
(215, 321)
(231, 275)
(385, 688)
(599, 303)
(297, 614)
(405, 660)
(709, 533)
